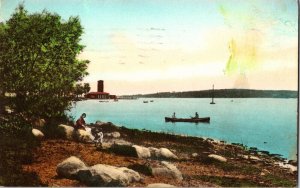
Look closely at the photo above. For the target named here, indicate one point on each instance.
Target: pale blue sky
(180, 42)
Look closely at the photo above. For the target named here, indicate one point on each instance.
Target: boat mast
(212, 95)
(212, 100)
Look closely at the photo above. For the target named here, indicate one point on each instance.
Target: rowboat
(191, 120)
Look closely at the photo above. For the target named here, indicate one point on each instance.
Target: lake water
(268, 124)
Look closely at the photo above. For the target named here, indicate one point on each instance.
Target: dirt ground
(196, 171)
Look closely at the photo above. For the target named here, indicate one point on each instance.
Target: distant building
(97, 95)
(100, 86)
(100, 94)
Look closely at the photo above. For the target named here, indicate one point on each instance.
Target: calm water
(268, 124)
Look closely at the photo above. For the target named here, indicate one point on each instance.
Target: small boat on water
(151, 100)
(191, 120)
(145, 101)
(212, 98)
(103, 101)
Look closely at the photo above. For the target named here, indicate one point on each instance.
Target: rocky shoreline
(144, 158)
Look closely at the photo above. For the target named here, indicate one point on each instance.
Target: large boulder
(106, 175)
(37, 133)
(122, 147)
(142, 152)
(160, 185)
(84, 135)
(69, 167)
(163, 153)
(217, 157)
(69, 131)
(167, 170)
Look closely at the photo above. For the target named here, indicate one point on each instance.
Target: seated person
(80, 123)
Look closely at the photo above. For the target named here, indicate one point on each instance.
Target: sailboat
(212, 98)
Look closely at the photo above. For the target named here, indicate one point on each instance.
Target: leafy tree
(86, 87)
(38, 61)
(78, 90)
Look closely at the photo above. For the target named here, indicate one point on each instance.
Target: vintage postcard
(149, 93)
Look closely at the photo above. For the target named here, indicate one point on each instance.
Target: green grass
(227, 181)
(277, 181)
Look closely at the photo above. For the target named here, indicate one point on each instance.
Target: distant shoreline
(222, 93)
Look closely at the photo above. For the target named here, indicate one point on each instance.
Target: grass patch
(277, 181)
(227, 181)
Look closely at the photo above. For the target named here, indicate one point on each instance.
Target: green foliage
(277, 181)
(80, 89)
(53, 131)
(16, 144)
(38, 61)
(15, 126)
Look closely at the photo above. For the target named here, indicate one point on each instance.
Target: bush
(52, 130)
(16, 145)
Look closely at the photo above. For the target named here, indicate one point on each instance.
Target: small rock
(142, 152)
(163, 153)
(167, 170)
(69, 167)
(100, 123)
(217, 157)
(160, 185)
(37, 133)
(293, 162)
(195, 155)
(254, 158)
(116, 134)
(113, 134)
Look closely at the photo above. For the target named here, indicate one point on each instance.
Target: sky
(149, 46)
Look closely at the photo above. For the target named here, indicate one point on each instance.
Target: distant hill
(223, 93)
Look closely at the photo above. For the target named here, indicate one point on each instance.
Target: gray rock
(84, 135)
(217, 157)
(160, 185)
(167, 170)
(124, 149)
(37, 133)
(106, 175)
(69, 167)
(142, 152)
(69, 131)
(163, 153)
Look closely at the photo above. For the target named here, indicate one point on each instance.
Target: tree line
(225, 93)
